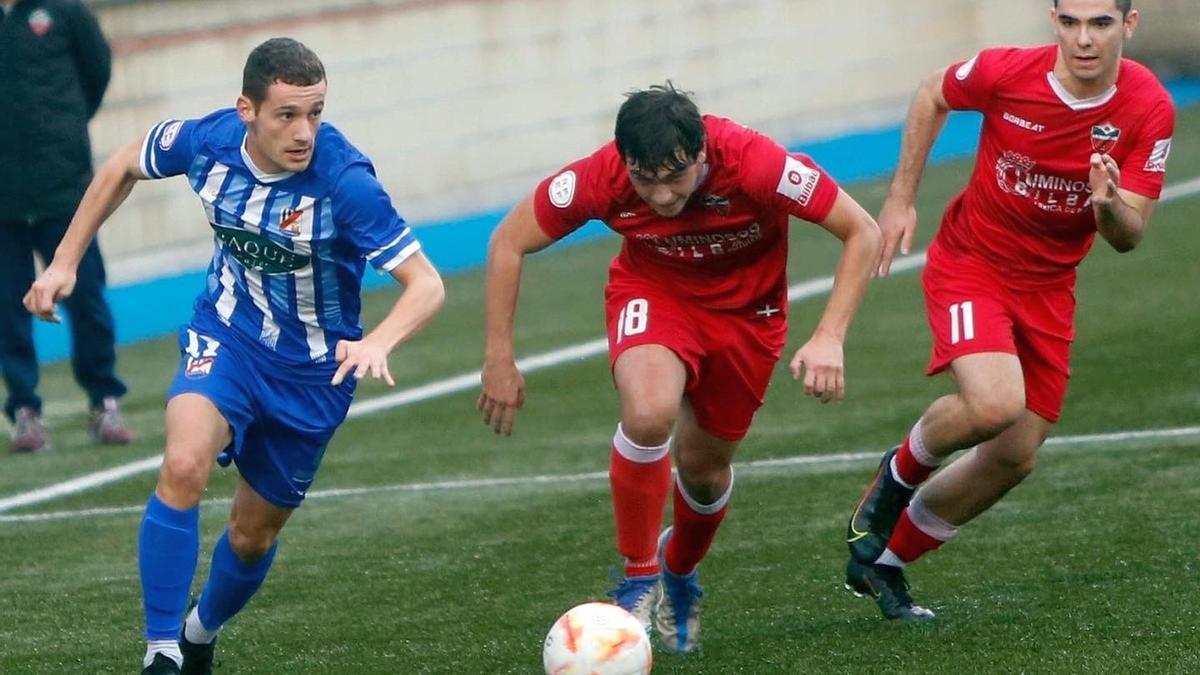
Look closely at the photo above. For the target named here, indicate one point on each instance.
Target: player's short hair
(279, 60)
(654, 124)
(1123, 5)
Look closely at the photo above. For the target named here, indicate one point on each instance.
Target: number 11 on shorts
(962, 321)
(633, 318)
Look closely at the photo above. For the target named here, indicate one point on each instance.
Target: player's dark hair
(1123, 5)
(654, 124)
(279, 60)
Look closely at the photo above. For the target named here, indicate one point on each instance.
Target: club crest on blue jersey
(1104, 137)
(289, 221)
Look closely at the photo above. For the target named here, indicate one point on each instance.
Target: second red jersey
(727, 249)
(1027, 209)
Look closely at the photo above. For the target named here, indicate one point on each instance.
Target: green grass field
(1089, 567)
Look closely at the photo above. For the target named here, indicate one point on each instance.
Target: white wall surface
(465, 104)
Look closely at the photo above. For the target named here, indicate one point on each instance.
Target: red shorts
(971, 311)
(729, 355)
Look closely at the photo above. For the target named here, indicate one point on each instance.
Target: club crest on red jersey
(1104, 137)
(717, 203)
(40, 22)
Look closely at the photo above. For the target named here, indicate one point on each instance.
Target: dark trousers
(93, 353)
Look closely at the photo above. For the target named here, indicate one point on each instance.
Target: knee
(649, 425)
(706, 478)
(993, 412)
(1015, 468)
(250, 543)
(184, 477)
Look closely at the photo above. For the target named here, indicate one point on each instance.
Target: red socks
(913, 463)
(639, 494)
(918, 532)
(907, 469)
(910, 542)
(695, 527)
(641, 478)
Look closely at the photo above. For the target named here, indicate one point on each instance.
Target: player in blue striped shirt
(270, 359)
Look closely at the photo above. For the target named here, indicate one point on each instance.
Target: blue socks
(231, 583)
(168, 545)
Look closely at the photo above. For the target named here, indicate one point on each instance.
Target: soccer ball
(597, 638)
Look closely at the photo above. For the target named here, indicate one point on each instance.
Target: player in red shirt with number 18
(1074, 142)
(696, 308)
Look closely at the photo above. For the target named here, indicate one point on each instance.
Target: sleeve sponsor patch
(798, 181)
(964, 71)
(1157, 162)
(562, 189)
(169, 134)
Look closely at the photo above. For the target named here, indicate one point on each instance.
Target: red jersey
(727, 249)
(1027, 209)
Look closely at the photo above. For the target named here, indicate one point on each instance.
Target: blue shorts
(280, 425)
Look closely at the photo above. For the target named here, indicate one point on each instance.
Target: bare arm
(898, 217)
(108, 190)
(422, 297)
(1121, 216)
(503, 388)
(821, 358)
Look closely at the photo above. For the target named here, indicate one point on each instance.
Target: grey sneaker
(107, 425)
(28, 432)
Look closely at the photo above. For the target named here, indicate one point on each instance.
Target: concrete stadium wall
(465, 104)
(1168, 36)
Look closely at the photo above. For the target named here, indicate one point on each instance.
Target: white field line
(1182, 189)
(762, 466)
(466, 381)
(437, 389)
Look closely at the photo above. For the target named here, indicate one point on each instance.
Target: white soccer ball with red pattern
(597, 638)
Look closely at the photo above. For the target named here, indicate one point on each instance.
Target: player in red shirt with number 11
(696, 308)
(1074, 142)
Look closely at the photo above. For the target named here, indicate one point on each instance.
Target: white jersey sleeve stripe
(153, 155)
(406, 232)
(400, 257)
(147, 152)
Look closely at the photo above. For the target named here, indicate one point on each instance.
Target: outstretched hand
(361, 357)
(53, 285)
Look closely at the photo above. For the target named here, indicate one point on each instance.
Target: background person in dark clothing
(54, 68)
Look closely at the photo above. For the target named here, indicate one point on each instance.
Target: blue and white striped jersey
(289, 249)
